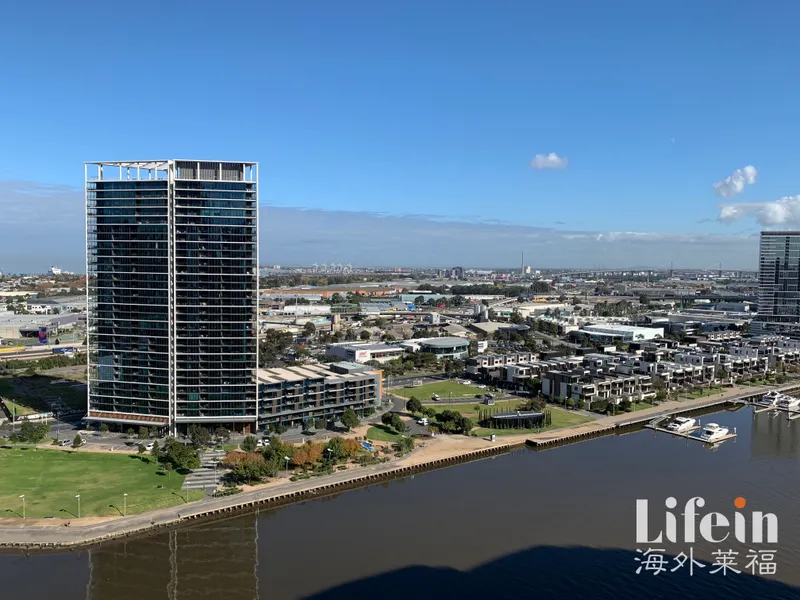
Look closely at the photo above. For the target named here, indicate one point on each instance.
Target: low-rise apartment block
(291, 396)
(585, 386)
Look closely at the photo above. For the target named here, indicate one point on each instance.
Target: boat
(788, 402)
(713, 432)
(769, 399)
(681, 424)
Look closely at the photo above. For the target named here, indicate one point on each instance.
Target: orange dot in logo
(740, 503)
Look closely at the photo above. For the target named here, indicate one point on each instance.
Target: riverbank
(438, 452)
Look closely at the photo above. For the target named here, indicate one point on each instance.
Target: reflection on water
(775, 436)
(554, 523)
(218, 559)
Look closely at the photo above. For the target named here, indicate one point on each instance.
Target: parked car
(149, 446)
(68, 442)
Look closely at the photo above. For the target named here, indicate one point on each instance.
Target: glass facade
(779, 277)
(172, 263)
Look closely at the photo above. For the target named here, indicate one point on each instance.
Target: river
(556, 523)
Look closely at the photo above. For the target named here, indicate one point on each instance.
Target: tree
(181, 456)
(156, 451)
(77, 441)
(167, 466)
(33, 434)
(103, 428)
(130, 432)
(516, 318)
(413, 405)
(309, 329)
(365, 334)
(249, 444)
(246, 467)
(349, 419)
(143, 433)
(405, 444)
(393, 420)
(199, 435)
(222, 434)
(335, 450)
(141, 449)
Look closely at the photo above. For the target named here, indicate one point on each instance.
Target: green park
(445, 389)
(50, 480)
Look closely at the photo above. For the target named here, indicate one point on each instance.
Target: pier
(688, 434)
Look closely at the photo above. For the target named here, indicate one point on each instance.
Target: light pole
(78, 498)
(125, 504)
(22, 497)
(286, 458)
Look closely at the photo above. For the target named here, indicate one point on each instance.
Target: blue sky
(415, 112)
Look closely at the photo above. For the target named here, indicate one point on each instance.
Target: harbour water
(557, 523)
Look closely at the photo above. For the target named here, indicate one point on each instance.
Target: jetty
(655, 425)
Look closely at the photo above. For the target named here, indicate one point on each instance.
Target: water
(559, 523)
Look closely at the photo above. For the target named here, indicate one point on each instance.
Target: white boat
(769, 399)
(788, 402)
(681, 424)
(713, 432)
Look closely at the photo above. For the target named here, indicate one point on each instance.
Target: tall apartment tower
(172, 289)
(778, 282)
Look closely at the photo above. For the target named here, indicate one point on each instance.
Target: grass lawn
(443, 388)
(50, 479)
(560, 418)
(382, 433)
(468, 410)
(642, 406)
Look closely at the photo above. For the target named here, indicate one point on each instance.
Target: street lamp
(286, 458)
(125, 505)
(22, 497)
(78, 498)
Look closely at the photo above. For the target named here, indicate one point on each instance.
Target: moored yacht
(681, 424)
(713, 432)
(788, 402)
(770, 398)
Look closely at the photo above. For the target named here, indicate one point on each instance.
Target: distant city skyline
(44, 226)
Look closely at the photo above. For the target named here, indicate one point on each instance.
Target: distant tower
(522, 266)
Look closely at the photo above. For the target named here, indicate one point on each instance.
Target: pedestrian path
(208, 475)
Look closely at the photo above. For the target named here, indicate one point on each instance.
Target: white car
(149, 446)
(423, 421)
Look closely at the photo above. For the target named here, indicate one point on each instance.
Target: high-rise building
(172, 289)
(779, 281)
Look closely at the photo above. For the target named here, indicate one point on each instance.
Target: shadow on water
(564, 573)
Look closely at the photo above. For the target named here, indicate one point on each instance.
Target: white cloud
(549, 161)
(785, 211)
(734, 184)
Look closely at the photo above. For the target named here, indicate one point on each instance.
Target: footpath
(437, 452)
